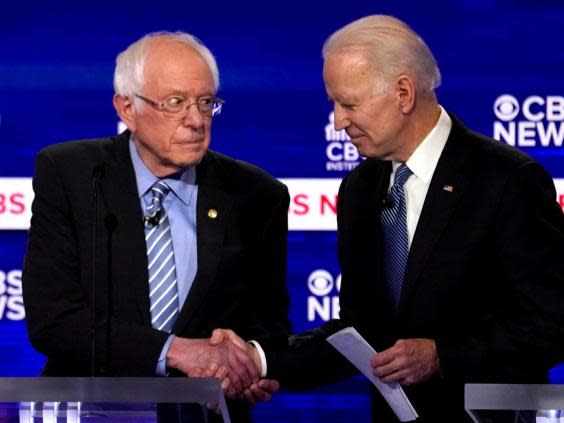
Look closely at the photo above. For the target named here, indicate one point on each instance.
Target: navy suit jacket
(484, 279)
(240, 282)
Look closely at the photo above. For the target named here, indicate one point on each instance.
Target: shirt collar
(181, 183)
(424, 159)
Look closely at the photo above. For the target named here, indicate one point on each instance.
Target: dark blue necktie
(394, 229)
(163, 287)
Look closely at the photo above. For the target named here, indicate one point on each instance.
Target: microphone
(388, 202)
(154, 219)
(110, 222)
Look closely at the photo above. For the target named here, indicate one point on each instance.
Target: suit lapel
(120, 198)
(379, 195)
(213, 211)
(445, 190)
(371, 195)
(361, 230)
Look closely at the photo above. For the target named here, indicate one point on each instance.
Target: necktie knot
(402, 174)
(159, 191)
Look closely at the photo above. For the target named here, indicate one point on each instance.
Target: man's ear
(125, 110)
(405, 91)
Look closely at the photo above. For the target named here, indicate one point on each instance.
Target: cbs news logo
(323, 304)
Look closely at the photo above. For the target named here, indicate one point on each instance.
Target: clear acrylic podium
(97, 400)
(512, 403)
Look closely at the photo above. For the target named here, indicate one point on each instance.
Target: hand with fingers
(211, 371)
(227, 335)
(220, 372)
(259, 391)
(233, 365)
(408, 362)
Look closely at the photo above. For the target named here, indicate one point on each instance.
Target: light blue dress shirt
(180, 206)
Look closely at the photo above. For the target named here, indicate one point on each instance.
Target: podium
(513, 403)
(97, 399)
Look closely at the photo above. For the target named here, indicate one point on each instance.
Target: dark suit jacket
(485, 276)
(240, 282)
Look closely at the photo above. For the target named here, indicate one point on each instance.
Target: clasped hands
(237, 364)
(227, 357)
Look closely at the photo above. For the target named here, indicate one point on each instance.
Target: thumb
(218, 335)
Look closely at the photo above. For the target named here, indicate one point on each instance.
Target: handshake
(227, 357)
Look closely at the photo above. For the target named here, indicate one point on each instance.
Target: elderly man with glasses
(141, 244)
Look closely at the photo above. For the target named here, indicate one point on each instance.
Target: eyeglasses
(177, 107)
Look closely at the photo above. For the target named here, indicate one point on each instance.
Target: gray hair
(391, 47)
(130, 63)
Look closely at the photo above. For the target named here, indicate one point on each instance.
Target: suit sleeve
(271, 324)
(524, 335)
(309, 360)
(57, 295)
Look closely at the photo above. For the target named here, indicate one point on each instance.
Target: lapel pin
(212, 213)
(448, 188)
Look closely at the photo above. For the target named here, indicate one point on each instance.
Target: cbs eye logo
(506, 107)
(321, 282)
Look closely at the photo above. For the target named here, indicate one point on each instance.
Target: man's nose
(342, 120)
(193, 116)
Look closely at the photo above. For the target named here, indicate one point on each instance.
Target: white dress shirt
(422, 163)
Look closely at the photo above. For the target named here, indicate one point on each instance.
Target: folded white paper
(355, 348)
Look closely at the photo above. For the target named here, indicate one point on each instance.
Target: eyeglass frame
(178, 115)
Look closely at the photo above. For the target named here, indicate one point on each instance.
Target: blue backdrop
(501, 61)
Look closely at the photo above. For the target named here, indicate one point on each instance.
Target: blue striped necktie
(163, 288)
(394, 229)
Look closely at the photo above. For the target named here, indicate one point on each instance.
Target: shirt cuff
(262, 357)
(161, 364)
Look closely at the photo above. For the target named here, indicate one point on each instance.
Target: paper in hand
(355, 348)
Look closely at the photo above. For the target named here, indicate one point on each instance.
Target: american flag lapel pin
(448, 188)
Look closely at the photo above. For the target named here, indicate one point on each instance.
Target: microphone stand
(110, 223)
(96, 176)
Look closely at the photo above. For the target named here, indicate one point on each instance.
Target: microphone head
(154, 219)
(110, 222)
(388, 202)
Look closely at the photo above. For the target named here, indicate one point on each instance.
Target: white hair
(129, 75)
(391, 47)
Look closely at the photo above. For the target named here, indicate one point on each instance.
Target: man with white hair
(450, 243)
(141, 244)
